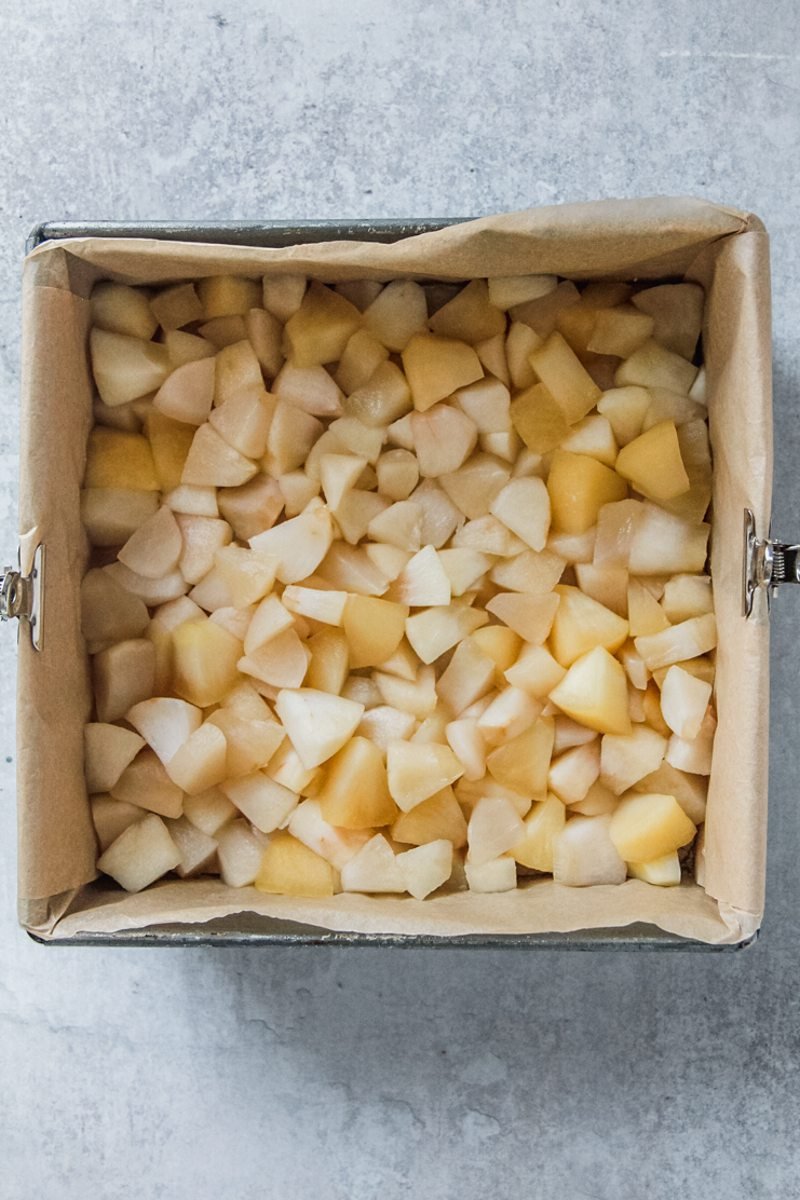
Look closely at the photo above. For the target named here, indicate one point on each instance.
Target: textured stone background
(351, 1074)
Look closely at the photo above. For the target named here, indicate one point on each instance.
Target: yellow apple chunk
(204, 662)
(539, 419)
(579, 486)
(544, 822)
(115, 459)
(436, 367)
(566, 379)
(663, 872)
(594, 692)
(355, 792)
(522, 764)
(582, 623)
(288, 868)
(646, 825)
(653, 463)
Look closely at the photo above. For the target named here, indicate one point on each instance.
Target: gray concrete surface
(351, 1074)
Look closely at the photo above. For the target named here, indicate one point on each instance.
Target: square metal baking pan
(247, 929)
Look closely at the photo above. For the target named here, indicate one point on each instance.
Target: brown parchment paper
(654, 238)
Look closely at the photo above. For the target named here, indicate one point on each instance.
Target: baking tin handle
(21, 597)
(767, 564)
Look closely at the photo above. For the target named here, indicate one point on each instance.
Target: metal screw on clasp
(21, 596)
(767, 564)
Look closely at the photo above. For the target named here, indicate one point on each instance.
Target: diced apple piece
(200, 763)
(281, 662)
(289, 868)
(373, 629)
(581, 623)
(209, 811)
(224, 331)
(122, 309)
(243, 421)
(624, 760)
(373, 869)
(653, 366)
(398, 474)
(663, 872)
(317, 723)
(689, 790)
(264, 802)
(469, 675)
(292, 433)
(108, 749)
(598, 801)
(192, 501)
(502, 645)
(573, 547)
(438, 366)
(607, 585)
(299, 544)
(523, 506)
(202, 538)
(431, 820)
(350, 569)
(170, 442)
(694, 756)
(539, 419)
(570, 733)
(197, 850)
(154, 549)
(426, 868)
(573, 772)
(463, 568)
(251, 508)
(112, 817)
(684, 701)
(619, 331)
(396, 314)
(250, 744)
(228, 295)
(560, 370)
(646, 825)
(489, 536)
(165, 723)
(423, 581)
(543, 824)
(188, 392)
(213, 463)
(672, 406)
(625, 409)
(435, 630)
(506, 445)
(417, 771)
(535, 671)
(355, 793)
(309, 388)
(140, 855)
(541, 314)
(418, 698)
(467, 743)
(152, 591)
(115, 459)
(677, 312)
(616, 524)
(584, 854)
(338, 474)
(476, 484)
(111, 515)
(510, 713)
(384, 724)
(469, 316)
(384, 398)
(529, 616)
(595, 692)
(663, 544)
(653, 463)
(239, 850)
(109, 612)
(174, 307)
(204, 663)
(686, 640)
(328, 667)
(297, 490)
(125, 367)
(487, 404)
(247, 574)
(361, 357)
(265, 334)
(523, 762)
(146, 784)
(593, 436)
(122, 675)
(186, 347)
(507, 290)
(494, 827)
(444, 438)
(440, 517)
(499, 875)
(321, 327)
(687, 596)
(336, 846)
(286, 768)
(283, 294)
(579, 486)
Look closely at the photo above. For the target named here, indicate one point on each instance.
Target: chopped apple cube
(542, 825)
(398, 474)
(283, 294)
(243, 421)
(112, 817)
(469, 675)
(646, 825)
(154, 549)
(625, 409)
(523, 762)
(686, 640)
(538, 419)
(186, 347)
(444, 438)
(227, 295)
(653, 463)
(624, 760)
(653, 366)
(165, 723)
(663, 872)
(122, 675)
(198, 851)
(677, 312)
(308, 388)
(687, 596)
(581, 623)
(684, 701)
(383, 399)
(543, 312)
(299, 544)
(520, 344)
(188, 392)
(467, 743)
(108, 749)
(417, 771)
(317, 723)
(489, 536)
(619, 331)
(292, 433)
(281, 661)
(596, 803)
(507, 290)
(476, 484)
(573, 772)
(560, 370)
(193, 501)
(264, 802)
(209, 811)
(440, 517)
(289, 868)
(115, 459)
(486, 403)
(494, 827)
(694, 756)
(594, 692)
(224, 331)
(122, 309)
(373, 869)
(174, 307)
(361, 357)
(140, 855)
(584, 854)
(435, 630)
(470, 315)
(211, 462)
(239, 850)
(145, 783)
(423, 581)
(111, 515)
(204, 662)
(510, 713)
(663, 544)
(337, 846)
(328, 667)
(321, 327)
(437, 367)
(251, 743)
(109, 612)
(265, 333)
(689, 790)
(464, 568)
(355, 792)
(529, 616)
(499, 875)
(125, 367)
(523, 505)
(200, 763)
(437, 817)
(535, 671)
(579, 486)
(396, 314)
(426, 868)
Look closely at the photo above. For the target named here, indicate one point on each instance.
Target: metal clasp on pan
(21, 597)
(767, 564)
